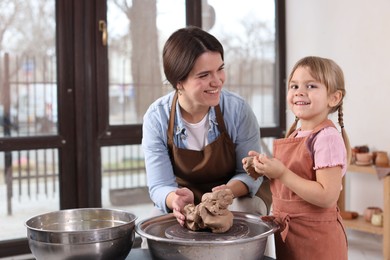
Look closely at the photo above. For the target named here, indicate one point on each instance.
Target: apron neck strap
(218, 112)
(221, 123)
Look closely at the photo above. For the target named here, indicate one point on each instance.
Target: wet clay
(211, 213)
(250, 169)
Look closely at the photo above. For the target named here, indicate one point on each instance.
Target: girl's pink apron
(307, 231)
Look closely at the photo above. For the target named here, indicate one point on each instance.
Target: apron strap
(218, 112)
(221, 123)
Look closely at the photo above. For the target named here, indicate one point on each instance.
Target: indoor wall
(356, 34)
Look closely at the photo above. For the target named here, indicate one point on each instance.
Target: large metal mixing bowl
(85, 233)
(168, 240)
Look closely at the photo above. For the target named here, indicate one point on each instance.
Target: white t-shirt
(197, 134)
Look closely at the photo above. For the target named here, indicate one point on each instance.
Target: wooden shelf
(362, 169)
(362, 225)
(359, 223)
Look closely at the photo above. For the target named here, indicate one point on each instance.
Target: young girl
(308, 165)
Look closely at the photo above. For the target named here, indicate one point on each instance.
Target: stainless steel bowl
(85, 233)
(157, 231)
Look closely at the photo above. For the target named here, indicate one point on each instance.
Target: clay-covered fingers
(220, 187)
(183, 196)
(261, 158)
(250, 168)
(253, 153)
(179, 217)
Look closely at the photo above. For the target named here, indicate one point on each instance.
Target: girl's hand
(248, 166)
(183, 197)
(270, 167)
(253, 153)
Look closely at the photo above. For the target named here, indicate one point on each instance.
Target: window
(71, 109)
(248, 32)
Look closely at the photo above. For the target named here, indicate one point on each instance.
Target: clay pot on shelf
(370, 211)
(354, 151)
(377, 219)
(362, 149)
(381, 159)
(363, 158)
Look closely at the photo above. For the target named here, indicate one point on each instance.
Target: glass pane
(124, 180)
(28, 102)
(246, 29)
(137, 31)
(28, 187)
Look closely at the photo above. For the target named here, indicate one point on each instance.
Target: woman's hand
(220, 187)
(182, 197)
(237, 187)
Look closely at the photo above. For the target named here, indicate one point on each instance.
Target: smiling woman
(195, 136)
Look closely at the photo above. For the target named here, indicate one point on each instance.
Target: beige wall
(356, 34)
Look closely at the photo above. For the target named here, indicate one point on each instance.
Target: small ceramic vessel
(370, 211)
(381, 159)
(377, 219)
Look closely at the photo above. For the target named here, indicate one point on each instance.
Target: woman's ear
(335, 98)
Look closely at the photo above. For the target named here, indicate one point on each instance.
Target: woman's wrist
(238, 188)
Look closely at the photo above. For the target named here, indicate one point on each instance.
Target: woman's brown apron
(307, 231)
(200, 171)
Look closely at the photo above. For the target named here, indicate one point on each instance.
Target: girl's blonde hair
(330, 74)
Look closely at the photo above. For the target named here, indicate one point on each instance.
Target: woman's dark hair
(182, 49)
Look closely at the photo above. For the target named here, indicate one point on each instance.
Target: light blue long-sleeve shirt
(241, 125)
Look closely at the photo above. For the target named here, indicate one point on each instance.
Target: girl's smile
(308, 98)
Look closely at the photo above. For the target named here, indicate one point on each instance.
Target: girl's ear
(335, 98)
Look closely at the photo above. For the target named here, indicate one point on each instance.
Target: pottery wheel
(237, 231)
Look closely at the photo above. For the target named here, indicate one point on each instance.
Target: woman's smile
(215, 91)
